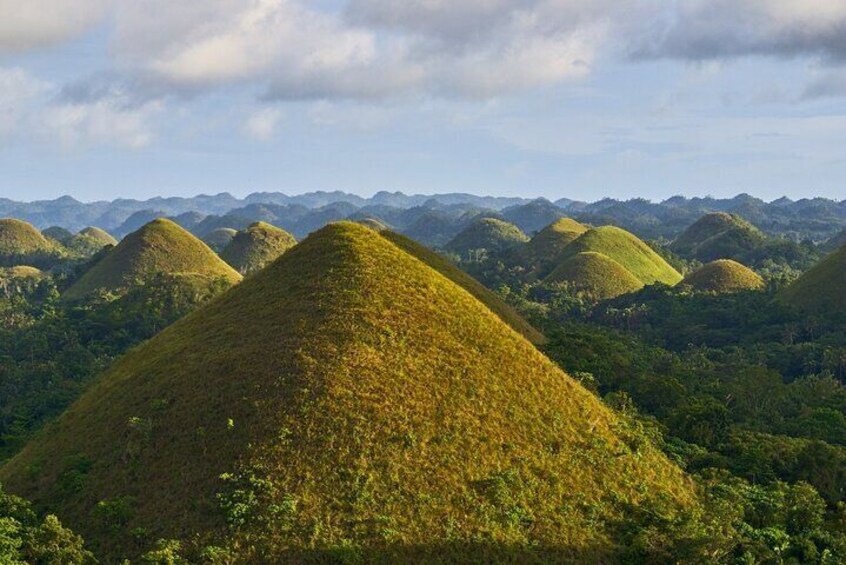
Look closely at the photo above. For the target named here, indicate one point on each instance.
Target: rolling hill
(347, 402)
(723, 276)
(718, 235)
(490, 234)
(258, 245)
(835, 242)
(89, 241)
(219, 238)
(627, 250)
(595, 274)
(822, 289)
(22, 244)
(160, 247)
(544, 250)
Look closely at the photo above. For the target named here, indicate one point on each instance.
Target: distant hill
(595, 274)
(533, 216)
(627, 250)
(159, 247)
(490, 234)
(372, 223)
(89, 241)
(723, 276)
(348, 400)
(219, 238)
(718, 236)
(544, 250)
(835, 242)
(822, 289)
(250, 250)
(22, 244)
(57, 233)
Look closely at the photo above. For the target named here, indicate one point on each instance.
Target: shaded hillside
(546, 247)
(596, 275)
(22, 244)
(627, 250)
(533, 216)
(489, 234)
(160, 247)
(282, 419)
(722, 276)
(718, 236)
(260, 244)
(218, 239)
(822, 289)
(835, 242)
(89, 241)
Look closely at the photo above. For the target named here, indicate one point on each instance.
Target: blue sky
(565, 98)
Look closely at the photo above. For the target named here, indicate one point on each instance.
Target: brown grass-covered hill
(717, 236)
(89, 241)
(627, 250)
(22, 244)
(219, 238)
(160, 247)
(543, 252)
(490, 234)
(347, 402)
(596, 275)
(257, 246)
(723, 276)
(822, 289)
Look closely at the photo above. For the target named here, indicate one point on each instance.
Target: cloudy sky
(577, 98)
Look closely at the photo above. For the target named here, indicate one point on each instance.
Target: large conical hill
(255, 247)
(822, 289)
(627, 250)
(160, 247)
(491, 234)
(544, 250)
(724, 276)
(22, 244)
(718, 235)
(347, 400)
(596, 275)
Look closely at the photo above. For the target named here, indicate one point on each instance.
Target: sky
(583, 99)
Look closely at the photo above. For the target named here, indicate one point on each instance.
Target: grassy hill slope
(718, 236)
(724, 275)
(487, 233)
(348, 400)
(218, 239)
(627, 250)
(22, 244)
(159, 247)
(822, 289)
(89, 241)
(255, 247)
(544, 250)
(597, 275)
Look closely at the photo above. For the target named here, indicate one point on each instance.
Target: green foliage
(218, 239)
(822, 289)
(89, 241)
(257, 246)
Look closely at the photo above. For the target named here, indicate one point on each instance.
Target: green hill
(596, 275)
(89, 241)
(822, 289)
(724, 276)
(160, 247)
(17, 280)
(490, 234)
(486, 296)
(718, 236)
(627, 250)
(257, 246)
(546, 247)
(373, 223)
(218, 239)
(22, 244)
(57, 233)
(346, 401)
(835, 242)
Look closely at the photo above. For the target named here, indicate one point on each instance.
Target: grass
(724, 276)
(347, 402)
(822, 289)
(257, 246)
(596, 275)
(89, 241)
(22, 244)
(218, 239)
(159, 247)
(627, 250)
(373, 223)
(487, 233)
(484, 295)
(544, 250)
(717, 236)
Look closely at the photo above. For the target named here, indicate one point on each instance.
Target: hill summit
(89, 241)
(724, 276)
(822, 289)
(717, 236)
(597, 275)
(491, 234)
(160, 247)
(544, 250)
(258, 245)
(346, 401)
(22, 244)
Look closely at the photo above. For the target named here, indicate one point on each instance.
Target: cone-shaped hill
(257, 246)
(597, 275)
(627, 250)
(57, 233)
(89, 241)
(724, 276)
(491, 234)
(22, 244)
(218, 239)
(347, 398)
(716, 236)
(544, 250)
(822, 289)
(160, 247)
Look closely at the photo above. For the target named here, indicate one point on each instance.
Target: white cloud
(18, 90)
(26, 24)
(261, 125)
